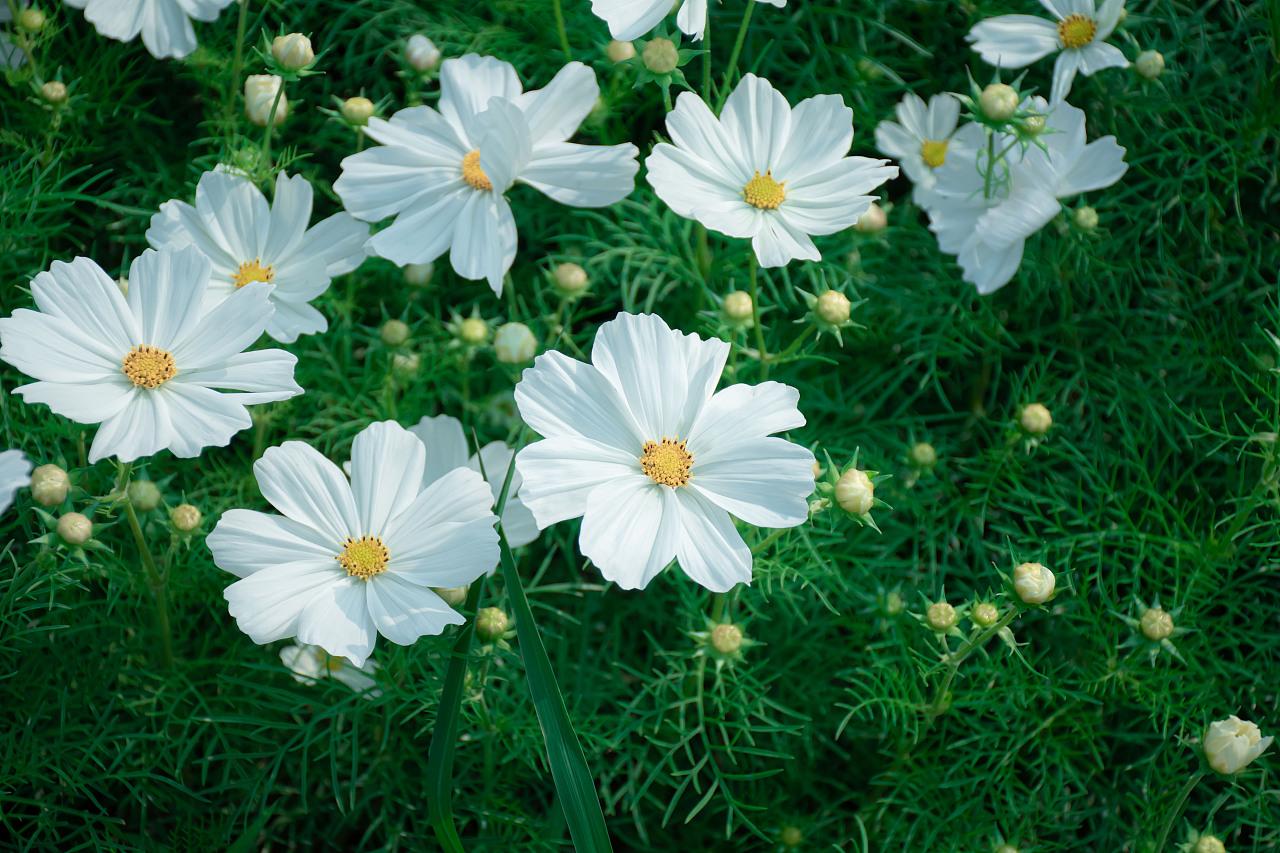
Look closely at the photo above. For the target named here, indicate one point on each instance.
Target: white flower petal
(743, 412)
(1064, 74)
(758, 118)
(1014, 41)
(554, 112)
(383, 181)
(289, 217)
(306, 487)
(778, 243)
(424, 231)
(484, 240)
(821, 131)
(711, 551)
(228, 329)
(386, 473)
(90, 300)
(166, 294)
(423, 132)
(403, 611)
(518, 523)
(692, 18)
(695, 189)
(562, 397)
(53, 350)
(502, 136)
(468, 84)
(445, 443)
(583, 175)
(15, 474)
(696, 130)
(166, 30)
(141, 428)
(267, 604)
(631, 530)
(987, 267)
(1099, 55)
(245, 541)
(559, 474)
(260, 376)
(630, 19)
(832, 199)
(337, 620)
(200, 417)
(1100, 166)
(763, 481)
(291, 320)
(338, 241)
(446, 537)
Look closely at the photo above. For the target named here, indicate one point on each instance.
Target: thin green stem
(717, 606)
(969, 647)
(732, 68)
(768, 540)
(1177, 808)
(155, 578)
(753, 270)
(238, 58)
(560, 30)
(271, 124)
(991, 164)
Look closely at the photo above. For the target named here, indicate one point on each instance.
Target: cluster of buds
(1003, 108)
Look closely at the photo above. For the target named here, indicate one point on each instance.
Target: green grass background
(1148, 339)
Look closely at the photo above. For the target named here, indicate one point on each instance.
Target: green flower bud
(144, 495)
(661, 56)
(999, 101)
(1035, 419)
(357, 110)
(394, 333)
(1149, 65)
(941, 617)
(833, 308)
(1156, 624)
(855, 493)
(75, 529)
(985, 615)
(1086, 218)
(923, 455)
(49, 485)
(185, 518)
(491, 624)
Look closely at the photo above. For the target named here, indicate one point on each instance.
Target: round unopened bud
(873, 221)
(394, 333)
(985, 614)
(923, 455)
(941, 616)
(473, 331)
(1034, 124)
(893, 604)
(31, 20)
(1209, 844)
(570, 279)
(419, 275)
(855, 493)
(726, 638)
(514, 343)
(620, 51)
(74, 528)
(54, 92)
(49, 485)
(1232, 744)
(1149, 64)
(833, 308)
(1035, 419)
(144, 495)
(791, 837)
(738, 307)
(1086, 218)
(1156, 624)
(185, 518)
(452, 595)
(661, 56)
(1034, 583)
(405, 364)
(259, 96)
(491, 624)
(293, 51)
(357, 110)
(869, 68)
(422, 53)
(999, 101)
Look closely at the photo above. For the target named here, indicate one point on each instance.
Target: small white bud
(923, 455)
(473, 331)
(873, 221)
(999, 101)
(49, 485)
(985, 615)
(75, 529)
(738, 307)
(570, 279)
(726, 638)
(833, 308)
(941, 617)
(514, 343)
(1156, 624)
(394, 333)
(855, 493)
(1033, 124)
(1035, 419)
(259, 94)
(422, 53)
(144, 495)
(357, 110)
(1232, 744)
(54, 92)
(1086, 218)
(620, 51)
(661, 56)
(1149, 64)
(1034, 583)
(491, 624)
(293, 51)
(185, 518)
(419, 275)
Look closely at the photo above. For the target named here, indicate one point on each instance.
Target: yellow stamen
(668, 462)
(364, 557)
(251, 271)
(1076, 31)
(473, 174)
(763, 192)
(934, 152)
(148, 366)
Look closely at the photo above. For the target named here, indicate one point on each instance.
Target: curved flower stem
(1178, 807)
(753, 280)
(271, 124)
(991, 164)
(971, 645)
(564, 35)
(732, 68)
(768, 540)
(155, 578)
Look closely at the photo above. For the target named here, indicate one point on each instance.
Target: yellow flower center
(667, 462)
(148, 366)
(364, 557)
(764, 192)
(1076, 30)
(251, 271)
(473, 174)
(934, 152)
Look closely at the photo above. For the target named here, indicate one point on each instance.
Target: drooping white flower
(15, 473)
(985, 221)
(921, 137)
(1077, 34)
(310, 664)
(165, 24)
(630, 19)
(348, 560)
(248, 241)
(153, 368)
(1232, 744)
(764, 171)
(265, 100)
(447, 449)
(443, 174)
(654, 459)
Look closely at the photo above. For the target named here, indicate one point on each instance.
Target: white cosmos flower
(248, 241)
(655, 460)
(987, 232)
(1077, 34)
(165, 24)
(443, 174)
(764, 171)
(150, 367)
(922, 136)
(630, 19)
(309, 664)
(347, 561)
(15, 473)
(447, 449)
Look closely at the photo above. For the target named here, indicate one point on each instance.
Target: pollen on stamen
(934, 152)
(149, 367)
(251, 271)
(1076, 31)
(763, 192)
(473, 174)
(667, 462)
(364, 557)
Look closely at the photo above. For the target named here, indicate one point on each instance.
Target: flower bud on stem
(938, 706)
(156, 579)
